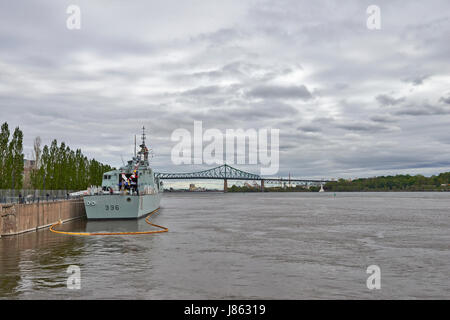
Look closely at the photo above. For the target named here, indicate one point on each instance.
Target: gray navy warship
(130, 192)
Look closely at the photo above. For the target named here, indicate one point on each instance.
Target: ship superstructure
(129, 192)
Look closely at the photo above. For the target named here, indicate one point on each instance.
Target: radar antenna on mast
(143, 135)
(144, 150)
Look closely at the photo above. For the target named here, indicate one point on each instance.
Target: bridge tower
(225, 181)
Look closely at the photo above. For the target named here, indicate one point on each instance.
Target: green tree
(16, 159)
(4, 150)
(57, 167)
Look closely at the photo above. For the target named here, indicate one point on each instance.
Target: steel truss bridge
(226, 172)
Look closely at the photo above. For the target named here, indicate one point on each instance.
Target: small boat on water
(129, 192)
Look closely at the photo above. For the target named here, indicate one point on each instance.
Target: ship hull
(117, 206)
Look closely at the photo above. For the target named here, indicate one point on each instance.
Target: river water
(246, 246)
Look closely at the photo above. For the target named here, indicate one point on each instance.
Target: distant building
(192, 187)
(28, 166)
(254, 185)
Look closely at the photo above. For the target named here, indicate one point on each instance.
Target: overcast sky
(349, 101)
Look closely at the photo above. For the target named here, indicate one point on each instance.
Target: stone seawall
(19, 218)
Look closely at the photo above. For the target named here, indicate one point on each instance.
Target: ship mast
(144, 150)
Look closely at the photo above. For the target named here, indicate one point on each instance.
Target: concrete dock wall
(19, 218)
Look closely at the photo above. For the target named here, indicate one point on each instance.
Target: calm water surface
(246, 246)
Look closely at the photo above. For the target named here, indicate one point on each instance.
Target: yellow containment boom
(163, 229)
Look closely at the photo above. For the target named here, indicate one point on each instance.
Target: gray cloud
(417, 80)
(445, 100)
(423, 110)
(310, 69)
(386, 100)
(280, 92)
(205, 90)
(362, 126)
(309, 128)
(383, 118)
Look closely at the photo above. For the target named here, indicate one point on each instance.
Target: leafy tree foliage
(4, 156)
(393, 183)
(61, 168)
(11, 158)
(57, 168)
(298, 188)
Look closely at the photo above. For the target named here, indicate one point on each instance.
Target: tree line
(60, 168)
(11, 158)
(297, 188)
(393, 183)
(56, 167)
